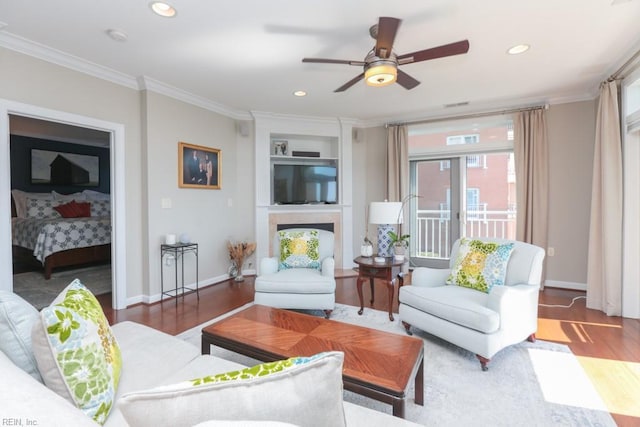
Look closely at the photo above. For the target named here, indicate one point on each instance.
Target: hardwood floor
(608, 348)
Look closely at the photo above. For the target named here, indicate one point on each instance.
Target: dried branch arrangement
(238, 252)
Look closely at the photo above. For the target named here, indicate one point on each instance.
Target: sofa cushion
(23, 398)
(480, 265)
(289, 281)
(77, 354)
(463, 306)
(17, 318)
(302, 391)
(299, 249)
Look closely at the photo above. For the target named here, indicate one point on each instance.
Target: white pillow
(20, 199)
(302, 391)
(79, 196)
(96, 195)
(77, 353)
(17, 318)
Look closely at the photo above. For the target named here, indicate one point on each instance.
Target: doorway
(117, 185)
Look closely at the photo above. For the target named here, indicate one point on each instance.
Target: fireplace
(328, 226)
(330, 221)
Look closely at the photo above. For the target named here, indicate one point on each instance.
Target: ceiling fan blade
(332, 61)
(406, 81)
(350, 83)
(387, 29)
(450, 49)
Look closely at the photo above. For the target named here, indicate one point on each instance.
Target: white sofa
(483, 323)
(298, 288)
(149, 359)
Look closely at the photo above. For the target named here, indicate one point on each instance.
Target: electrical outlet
(551, 251)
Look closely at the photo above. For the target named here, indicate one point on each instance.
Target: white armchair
(299, 288)
(483, 323)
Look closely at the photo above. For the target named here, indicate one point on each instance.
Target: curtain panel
(604, 273)
(531, 154)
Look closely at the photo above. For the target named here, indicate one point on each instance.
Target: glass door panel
(435, 213)
(490, 206)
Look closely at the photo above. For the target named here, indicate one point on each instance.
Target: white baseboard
(150, 299)
(565, 285)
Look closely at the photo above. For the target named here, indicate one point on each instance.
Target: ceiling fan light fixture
(381, 73)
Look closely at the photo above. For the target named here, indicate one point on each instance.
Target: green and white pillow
(480, 265)
(77, 354)
(301, 390)
(299, 249)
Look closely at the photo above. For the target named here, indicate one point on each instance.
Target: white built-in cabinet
(326, 141)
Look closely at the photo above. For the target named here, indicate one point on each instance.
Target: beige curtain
(532, 176)
(397, 163)
(604, 272)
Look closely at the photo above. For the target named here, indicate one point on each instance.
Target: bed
(41, 232)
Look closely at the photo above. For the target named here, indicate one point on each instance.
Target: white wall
(209, 217)
(154, 124)
(369, 177)
(571, 129)
(32, 81)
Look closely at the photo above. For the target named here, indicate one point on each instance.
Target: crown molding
(479, 108)
(48, 54)
(45, 53)
(147, 83)
(264, 115)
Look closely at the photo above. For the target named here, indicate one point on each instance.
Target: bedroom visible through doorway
(56, 168)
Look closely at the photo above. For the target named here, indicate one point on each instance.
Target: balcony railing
(432, 236)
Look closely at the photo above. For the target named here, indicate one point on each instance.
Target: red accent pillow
(74, 209)
(83, 208)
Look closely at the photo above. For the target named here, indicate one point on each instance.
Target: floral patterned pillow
(77, 354)
(480, 265)
(299, 249)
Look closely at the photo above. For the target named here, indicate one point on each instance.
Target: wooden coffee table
(377, 364)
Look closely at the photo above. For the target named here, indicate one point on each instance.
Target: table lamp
(385, 215)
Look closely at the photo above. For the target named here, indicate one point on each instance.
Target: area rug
(40, 292)
(529, 384)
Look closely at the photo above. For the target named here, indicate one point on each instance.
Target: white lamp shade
(385, 213)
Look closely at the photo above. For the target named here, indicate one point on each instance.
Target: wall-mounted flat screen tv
(304, 183)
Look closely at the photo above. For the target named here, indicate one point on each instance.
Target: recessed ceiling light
(518, 49)
(300, 93)
(163, 9)
(117, 35)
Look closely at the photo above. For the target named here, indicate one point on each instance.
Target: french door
(461, 196)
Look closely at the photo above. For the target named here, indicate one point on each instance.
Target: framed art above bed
(61, 168)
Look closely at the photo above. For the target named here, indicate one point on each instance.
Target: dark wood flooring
(607, 347)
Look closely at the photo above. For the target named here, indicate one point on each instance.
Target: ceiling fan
(381, 63)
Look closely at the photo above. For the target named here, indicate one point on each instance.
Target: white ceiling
(246, 55)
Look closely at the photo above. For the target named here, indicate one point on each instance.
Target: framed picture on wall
(199, 166)
(61, 168)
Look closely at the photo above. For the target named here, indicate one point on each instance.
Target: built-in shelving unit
(327, 141)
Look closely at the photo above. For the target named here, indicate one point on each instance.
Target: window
(463, 172)
(463, 139)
